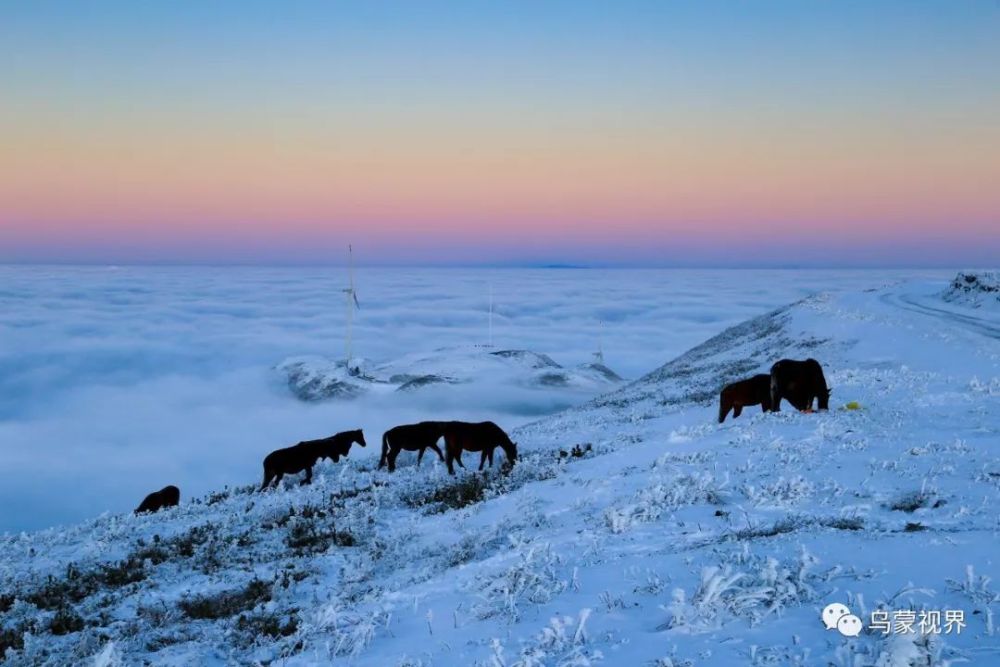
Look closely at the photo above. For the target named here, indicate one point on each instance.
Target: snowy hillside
(974, 289)
(673, 541)
(317, 378)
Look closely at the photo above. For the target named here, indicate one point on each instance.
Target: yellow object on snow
(853, 405)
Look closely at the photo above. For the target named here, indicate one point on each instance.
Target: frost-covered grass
(673, 541)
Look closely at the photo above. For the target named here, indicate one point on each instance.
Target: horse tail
(385, 450)
(775, 387)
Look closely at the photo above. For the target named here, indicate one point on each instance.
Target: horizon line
(555, 266)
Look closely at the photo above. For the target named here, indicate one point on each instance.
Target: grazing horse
(799, 383)
(303, 456)
(752, 391)
(476, 437)
(168, 496)
(411, 437)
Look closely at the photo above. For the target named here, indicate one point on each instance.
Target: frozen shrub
(254, 626)
(782, 493)
(109, 656)
(669, 494)
(763, 586)
(563, 643)
(350, 632)
(533, 579)
(227, 603)
(897, 650)
(308, 537)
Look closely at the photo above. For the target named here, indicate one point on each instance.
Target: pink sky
(637, 145)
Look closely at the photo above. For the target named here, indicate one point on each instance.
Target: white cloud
(114, 383)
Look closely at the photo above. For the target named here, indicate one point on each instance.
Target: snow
(974, 289)
(117, 382)
(673, 541)
(320, 378)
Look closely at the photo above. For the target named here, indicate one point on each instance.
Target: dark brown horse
(303, 456)
(752, 391)
(799, 383)
(476, 437)
(168, 496)
(411, 437)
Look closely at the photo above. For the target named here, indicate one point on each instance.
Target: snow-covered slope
(674, 541)
(318, 378)
(974, 289)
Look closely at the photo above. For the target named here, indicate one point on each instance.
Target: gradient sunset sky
(612, 133)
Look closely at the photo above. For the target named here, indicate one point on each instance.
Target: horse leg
(482, 460)
(420, 456)
(737, 410)
(277, 480)
(268, 476)
(492, 449)
(438, 450)
(393, 453)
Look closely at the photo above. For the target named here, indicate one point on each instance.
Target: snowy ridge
(974, 289)
(675, 541)
(318, 379)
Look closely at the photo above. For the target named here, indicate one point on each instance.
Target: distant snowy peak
(974, 289)
(319, 378)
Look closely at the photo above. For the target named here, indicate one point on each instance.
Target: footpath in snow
(673, 541)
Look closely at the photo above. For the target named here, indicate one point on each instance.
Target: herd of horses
(799, 382)
(459, 436)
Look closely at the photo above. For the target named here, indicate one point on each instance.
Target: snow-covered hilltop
(317, 378)
(974, 289)
(672, 541)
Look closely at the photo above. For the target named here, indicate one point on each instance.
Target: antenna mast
(599, 355)
(352, 303)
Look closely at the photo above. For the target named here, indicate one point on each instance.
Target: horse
(476, 437)
(752, 391)
(303, 456)
(799, 383)
(168, 496)
(411, 437)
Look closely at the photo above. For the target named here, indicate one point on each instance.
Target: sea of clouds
(115, 381)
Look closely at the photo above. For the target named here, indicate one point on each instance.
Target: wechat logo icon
(838, 617)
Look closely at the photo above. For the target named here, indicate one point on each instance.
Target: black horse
(303, 456)
(752, 391)
(476, 437)
(411, 437)
(168, 496)
(799, 383)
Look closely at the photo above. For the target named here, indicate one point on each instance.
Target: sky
(518, 133)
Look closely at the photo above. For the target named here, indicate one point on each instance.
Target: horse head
(510, 449)
(824, 399)
(359, 437)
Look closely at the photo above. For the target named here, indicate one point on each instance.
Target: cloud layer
(116, 382)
